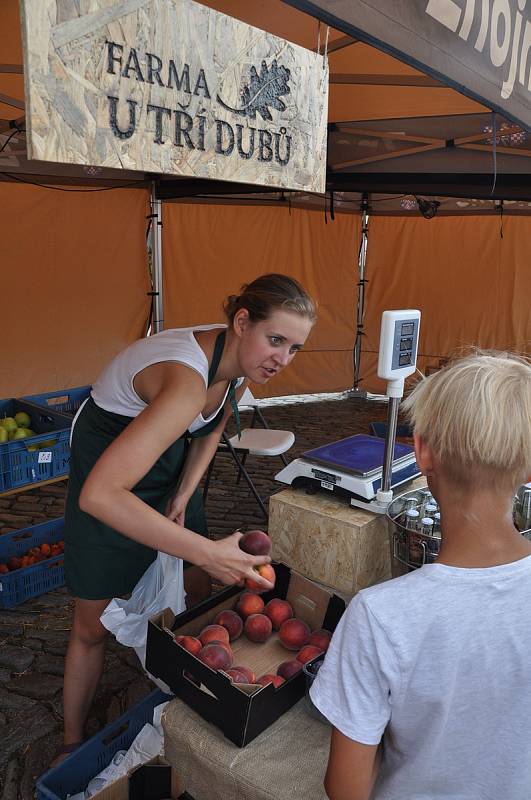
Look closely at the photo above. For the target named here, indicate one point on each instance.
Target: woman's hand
(228, 564)
(176, 508)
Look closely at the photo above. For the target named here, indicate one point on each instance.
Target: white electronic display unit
(397, 359)
(364, 468)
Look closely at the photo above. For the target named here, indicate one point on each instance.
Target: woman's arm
(107, 493)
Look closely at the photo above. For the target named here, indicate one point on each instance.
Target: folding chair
(254, 441)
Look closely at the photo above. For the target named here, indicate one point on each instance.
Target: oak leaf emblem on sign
(264, 91)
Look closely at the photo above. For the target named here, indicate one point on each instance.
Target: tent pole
(156, 249)
(361, 293)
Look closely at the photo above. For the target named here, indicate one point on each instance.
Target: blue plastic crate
(26, 461)
(26, 582)
(77, 770)
(66, 401)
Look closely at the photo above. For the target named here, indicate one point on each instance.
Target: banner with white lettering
(171, 86)
(480, 47)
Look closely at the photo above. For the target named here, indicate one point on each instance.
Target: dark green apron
(101, 563)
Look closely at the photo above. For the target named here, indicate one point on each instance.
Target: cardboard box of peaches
(237, 658)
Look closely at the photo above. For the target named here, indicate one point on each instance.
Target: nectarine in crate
(19, 584)
(240, 710)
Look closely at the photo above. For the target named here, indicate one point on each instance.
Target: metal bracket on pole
(156, 249)
(362, 257)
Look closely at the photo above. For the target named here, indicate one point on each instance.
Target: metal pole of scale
(362, 257)
(156, 249)
(392, 418)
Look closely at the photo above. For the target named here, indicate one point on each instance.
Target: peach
(231, 621)
(215, 656)
(249, 674)
(249, 603)
(257, 543)
(189, 643)
(278, 611)
(287, 669)
(236, 675)
(308, 653)
(265, 571)
(226, 647)
(214, 633)
(294, 634)
(276, 680)
(321, 639)
(258, 627)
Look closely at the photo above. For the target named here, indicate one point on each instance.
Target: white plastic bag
(161, 586)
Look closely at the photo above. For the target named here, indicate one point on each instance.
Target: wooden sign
(173, 87)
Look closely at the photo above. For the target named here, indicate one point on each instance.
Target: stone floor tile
(16, 659)
(35, 686)
(28, 727)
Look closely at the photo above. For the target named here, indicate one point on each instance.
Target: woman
(132, 478)
(430, 672)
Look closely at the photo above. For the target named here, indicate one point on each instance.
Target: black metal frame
(225, 446)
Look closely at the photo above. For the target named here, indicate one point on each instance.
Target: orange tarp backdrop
(472, 284)
(74, 283)
(210, 250)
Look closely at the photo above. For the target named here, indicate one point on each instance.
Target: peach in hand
(231, 621)
(294, 634)
(257, 543)
(258, 627)
(249, 603)
(265, 571)
(278, 611)
(214, 633)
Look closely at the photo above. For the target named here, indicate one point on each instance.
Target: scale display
(359, 455)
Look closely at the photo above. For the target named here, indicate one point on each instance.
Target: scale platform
(350, 467)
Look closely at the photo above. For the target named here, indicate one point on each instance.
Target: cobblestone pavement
(34, 635)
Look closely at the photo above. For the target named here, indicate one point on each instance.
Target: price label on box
(45, 457)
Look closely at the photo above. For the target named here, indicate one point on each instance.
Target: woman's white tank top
(113, 391)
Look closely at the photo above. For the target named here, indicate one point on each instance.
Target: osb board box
(240, 711)
(327, 540)
(156, 779)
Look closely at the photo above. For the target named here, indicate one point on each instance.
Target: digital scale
(362, 468)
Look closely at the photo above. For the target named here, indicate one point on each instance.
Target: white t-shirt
(439, 660)
(114, 390)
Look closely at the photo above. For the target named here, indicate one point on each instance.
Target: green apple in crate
(22, 419)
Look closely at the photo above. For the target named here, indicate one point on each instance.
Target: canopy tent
(395, 135)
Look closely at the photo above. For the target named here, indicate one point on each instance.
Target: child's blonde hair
(475, 414)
